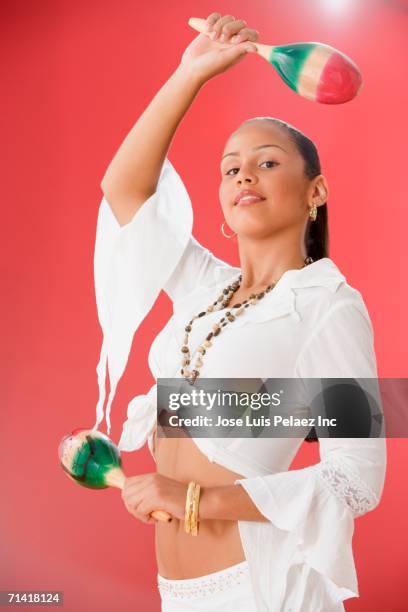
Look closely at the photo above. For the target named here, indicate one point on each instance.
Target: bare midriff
(218, 543)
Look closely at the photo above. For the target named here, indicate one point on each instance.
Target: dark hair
(317, 232)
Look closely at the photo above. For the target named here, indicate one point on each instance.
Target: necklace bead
(220, 303)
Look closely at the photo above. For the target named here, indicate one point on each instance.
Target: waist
(203, 586)
(180, 555)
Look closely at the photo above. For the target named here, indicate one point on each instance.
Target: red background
(77, 76)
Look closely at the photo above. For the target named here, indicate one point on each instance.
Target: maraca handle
(200, 25)
(116, 478)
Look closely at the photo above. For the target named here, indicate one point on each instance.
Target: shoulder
(346, 297)
(327, 298)
(344, 326)
(339, 339)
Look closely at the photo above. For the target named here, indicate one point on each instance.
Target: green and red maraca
(314, 70)
(91, 459)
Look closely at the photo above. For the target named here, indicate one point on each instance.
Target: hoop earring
(313, 212)
(224, 234)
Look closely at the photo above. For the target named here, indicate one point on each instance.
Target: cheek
(287, 189)
(224, 196)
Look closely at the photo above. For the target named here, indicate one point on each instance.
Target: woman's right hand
(205, 58)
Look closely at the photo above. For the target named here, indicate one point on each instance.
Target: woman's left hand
(147, 492)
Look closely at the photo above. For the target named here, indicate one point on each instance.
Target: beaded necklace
(221, 302)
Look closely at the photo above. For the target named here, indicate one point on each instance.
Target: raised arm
(133, 173)
(146, 204)
(132, 176)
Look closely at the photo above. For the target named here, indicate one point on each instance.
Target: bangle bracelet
(194, 512)
(191, 508)
(188, 507)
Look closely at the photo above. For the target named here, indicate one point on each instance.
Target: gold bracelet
(187, 511)
(194, 513)
(189, 506)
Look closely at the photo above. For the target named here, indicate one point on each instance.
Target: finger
(134, 510)
(146, 509)
(211, 19)
(236, 51)
(245, 34)
(133, 494)
(146, 518)
(219, 24)
(231, 28)
(136, 482)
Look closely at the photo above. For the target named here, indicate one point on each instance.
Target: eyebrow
(254, 149)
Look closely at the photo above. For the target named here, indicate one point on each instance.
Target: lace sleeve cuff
(347, 486)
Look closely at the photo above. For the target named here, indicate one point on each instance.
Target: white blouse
(313, 324)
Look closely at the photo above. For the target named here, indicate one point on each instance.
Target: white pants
(228, 590)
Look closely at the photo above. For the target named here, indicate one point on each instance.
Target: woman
(282, 539)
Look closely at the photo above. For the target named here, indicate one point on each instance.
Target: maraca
(90, 458)
(314, 70)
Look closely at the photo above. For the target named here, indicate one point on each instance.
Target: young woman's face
(275, 172)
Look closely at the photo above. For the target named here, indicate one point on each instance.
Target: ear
(320, 190)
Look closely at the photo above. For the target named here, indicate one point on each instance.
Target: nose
(246, 176)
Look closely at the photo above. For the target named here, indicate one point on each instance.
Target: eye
(268, 161)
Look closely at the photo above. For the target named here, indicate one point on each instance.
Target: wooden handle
(116, 478)
(200, 25)
(162, 515)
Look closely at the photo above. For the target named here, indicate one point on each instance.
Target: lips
(247, 196)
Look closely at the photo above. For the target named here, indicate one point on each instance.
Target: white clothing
(313, 324)
(228, 590)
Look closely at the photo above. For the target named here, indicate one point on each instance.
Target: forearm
(229, 502)
(135, 168)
